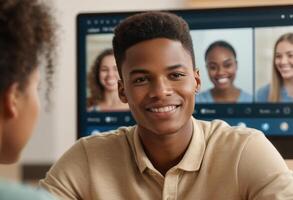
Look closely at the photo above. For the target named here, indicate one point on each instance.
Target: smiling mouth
(163, 109)
(111, 82)
(286, 68)
(222, 80)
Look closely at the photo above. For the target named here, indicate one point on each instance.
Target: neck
(166, 151)
(228, 95)
(112, 97)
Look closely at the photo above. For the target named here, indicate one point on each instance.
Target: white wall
(56, 130)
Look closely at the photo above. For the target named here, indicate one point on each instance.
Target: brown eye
(212, 67)
(176, 75)
(140, 80)
(278, 56)
(228, 65)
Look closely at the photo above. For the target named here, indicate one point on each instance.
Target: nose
(220, 70)
(160, 88)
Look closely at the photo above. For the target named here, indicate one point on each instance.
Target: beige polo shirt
(221, 163)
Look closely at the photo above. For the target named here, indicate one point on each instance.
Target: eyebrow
(145, 71)
(173, 67)
(138, 71)
(290, 51)
(229, 59)
(226, 60)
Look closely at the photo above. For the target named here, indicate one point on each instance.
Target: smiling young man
(168, 154)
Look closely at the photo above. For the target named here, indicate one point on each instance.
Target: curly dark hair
(220, 43)
(149, 25)
(97, 90)
(27, 38)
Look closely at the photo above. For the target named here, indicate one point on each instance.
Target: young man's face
(159, 84)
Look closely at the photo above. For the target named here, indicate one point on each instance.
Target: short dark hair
(27, 34)
(150, 25)
(220, 43)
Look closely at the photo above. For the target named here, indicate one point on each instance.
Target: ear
(197, 80)
(10, 101)
(121, 92)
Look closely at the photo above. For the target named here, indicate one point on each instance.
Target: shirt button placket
(170, 186)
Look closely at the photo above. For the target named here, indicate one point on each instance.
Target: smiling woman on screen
(221, 64)
(281, 87)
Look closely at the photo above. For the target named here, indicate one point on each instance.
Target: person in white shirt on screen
(26, 43)
(103, 84)
(281, 87)
(221, 64)
(168, 154)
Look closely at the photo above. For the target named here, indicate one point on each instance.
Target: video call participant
(103, 84)
(281, 87)
(26, 39)
(221, 64)
(168, 154)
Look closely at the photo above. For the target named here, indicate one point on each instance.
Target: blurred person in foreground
(168, 154)
(26, 41)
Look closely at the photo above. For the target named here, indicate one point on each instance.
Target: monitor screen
(245, 60)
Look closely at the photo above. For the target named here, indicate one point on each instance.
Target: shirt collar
(142, 160)
(192, 158)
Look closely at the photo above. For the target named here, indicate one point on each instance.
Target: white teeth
(163, 109)
(111, 82)
(223, 80)
(285, 68)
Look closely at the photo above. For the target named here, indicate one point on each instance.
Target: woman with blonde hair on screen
(103, 84)
(281, 87)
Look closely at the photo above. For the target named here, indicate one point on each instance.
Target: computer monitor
(251, 34)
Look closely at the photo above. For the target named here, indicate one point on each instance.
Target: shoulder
(244, 96)
(94, 108)
(118, 136)
(70, 177)
(204, 97)
(220, 127)
(263, 93)
(107, 143)
(89, 148)
(220, 134)
(285, 97)
(13, 191)
(249, 159)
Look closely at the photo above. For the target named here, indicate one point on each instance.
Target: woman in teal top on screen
(281, 87)
(221, 64)
(26, 44)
